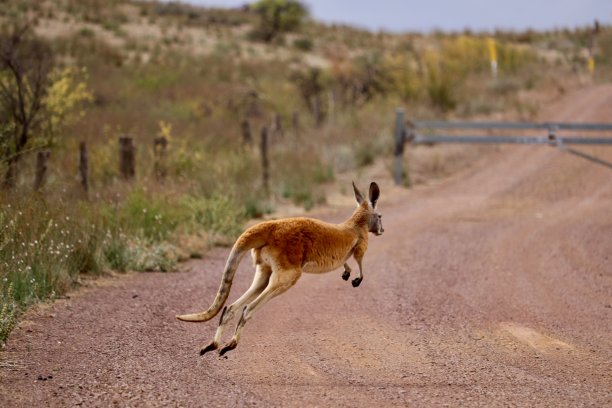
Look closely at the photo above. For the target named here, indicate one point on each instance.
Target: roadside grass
(150, 75)
(46, 244)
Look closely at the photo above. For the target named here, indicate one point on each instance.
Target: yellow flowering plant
(63, 102)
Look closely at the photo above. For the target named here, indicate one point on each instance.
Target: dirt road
(493, 288)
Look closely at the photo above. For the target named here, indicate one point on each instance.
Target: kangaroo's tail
(252, 238)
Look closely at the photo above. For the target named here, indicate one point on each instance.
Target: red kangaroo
(282, 250)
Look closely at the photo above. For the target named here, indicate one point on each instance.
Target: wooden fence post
(277, 123)
(317, 110)
(245, 127)
(295, 123)
(84, 166)
(126, 157)
(265, 164)
(400, 132)
(41, 168)
(160, 144)
(332, 104)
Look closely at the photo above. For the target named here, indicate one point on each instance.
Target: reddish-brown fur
(282, 250)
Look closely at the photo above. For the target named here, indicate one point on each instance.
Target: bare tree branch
(27, 62)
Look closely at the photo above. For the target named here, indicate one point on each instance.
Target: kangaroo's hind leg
(280, 281)
(260, 281)
(347, 272)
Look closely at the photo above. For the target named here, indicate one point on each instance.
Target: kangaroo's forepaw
(346, 275)
(212, 346)
(229, 346)
(355, 282)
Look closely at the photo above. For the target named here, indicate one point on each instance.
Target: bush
(303, 44)
(153, 219)
(43, 248)
(277, 17)
(441, 88)
(364, 156)
(8, 312)
(256, 208)
(117, 252)
(217, 215)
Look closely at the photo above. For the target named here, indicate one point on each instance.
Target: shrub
(256, 208)
(440, 86)
(217, 215)
(153, 219)
(303, 44)
(116, 251)
(44, 247)
(277, 17)
(8, 312)
(364, 156)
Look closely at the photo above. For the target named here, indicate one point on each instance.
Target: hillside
(206, 83)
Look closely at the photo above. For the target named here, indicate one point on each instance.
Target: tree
(311, 84)
(278, 16)
(25, 63)
(36, 99)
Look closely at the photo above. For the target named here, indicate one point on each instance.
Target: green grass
(46, 244)
(43, 249)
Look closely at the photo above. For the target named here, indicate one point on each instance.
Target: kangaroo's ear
(374, 193)
(358, 195)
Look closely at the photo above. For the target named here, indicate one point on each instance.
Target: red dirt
(493, 288)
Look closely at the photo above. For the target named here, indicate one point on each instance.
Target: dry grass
(195, 73)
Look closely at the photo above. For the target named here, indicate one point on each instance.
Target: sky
(449, 15)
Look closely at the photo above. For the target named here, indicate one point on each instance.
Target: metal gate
(411, 132)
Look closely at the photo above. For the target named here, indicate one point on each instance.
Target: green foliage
(403, 75)
(8, 311)
(43, 247)
(303, 44)
(218, 215)
(441, 82)
(300, 194)
(513, 59)
(7, 129)
(299, 175)
(159, 257)
(116, 251)
(256, 207)
(87, 32)
(156, 80)
(153, 219)
(277, 17)
(364, 156)
(323, 174)
(311, 84)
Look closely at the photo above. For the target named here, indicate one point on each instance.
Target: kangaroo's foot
(212, 346)
(229, 346)
(355, 282)
(346, 275)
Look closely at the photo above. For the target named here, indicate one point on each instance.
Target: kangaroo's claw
(228, 347)
(212, 346)
(346, 275)
(355, 282)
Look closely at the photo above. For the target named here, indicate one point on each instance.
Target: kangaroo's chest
(327, 258)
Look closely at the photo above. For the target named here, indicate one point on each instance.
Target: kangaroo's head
(374, 219)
